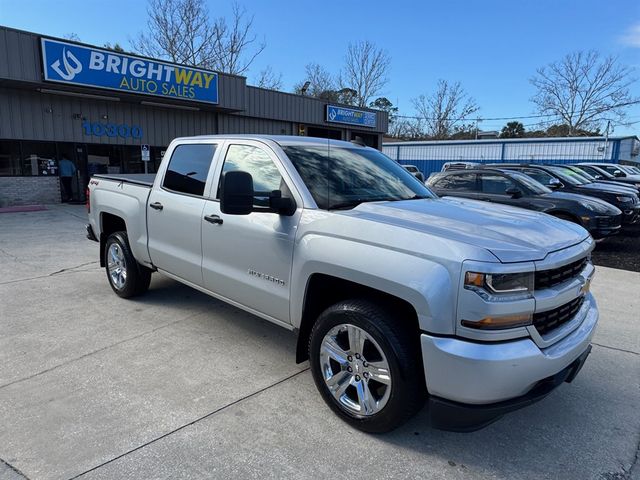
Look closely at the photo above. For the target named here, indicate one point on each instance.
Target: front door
(247, 258)
(174, 212)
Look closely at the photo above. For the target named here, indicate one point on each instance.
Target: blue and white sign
(94, 67)
(351, 116)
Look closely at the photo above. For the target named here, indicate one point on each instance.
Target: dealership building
(109, 112)
(430, 156)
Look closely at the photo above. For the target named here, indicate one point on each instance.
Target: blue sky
(491, 47)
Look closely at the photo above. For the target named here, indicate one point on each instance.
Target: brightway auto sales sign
(70, 63)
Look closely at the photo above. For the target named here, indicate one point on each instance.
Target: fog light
(500, 323)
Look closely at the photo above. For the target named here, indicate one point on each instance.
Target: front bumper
(460, 417)
(476, 373)
(603, 225)
(630, 215)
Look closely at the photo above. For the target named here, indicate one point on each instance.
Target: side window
(542, 177)
(465, 182)
(255, 161)
(188, 168)
(495, 184)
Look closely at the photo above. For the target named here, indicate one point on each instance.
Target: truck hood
(510, 234)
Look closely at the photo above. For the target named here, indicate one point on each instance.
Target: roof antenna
(359, 141)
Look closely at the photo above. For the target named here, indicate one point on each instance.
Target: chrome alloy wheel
(117, 266)
(355, 370)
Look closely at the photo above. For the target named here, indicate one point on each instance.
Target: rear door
(174, 212)
(247, 258)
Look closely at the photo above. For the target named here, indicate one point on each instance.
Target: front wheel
(126, 276)
(367, 366)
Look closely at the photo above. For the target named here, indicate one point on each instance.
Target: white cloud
(631, 37)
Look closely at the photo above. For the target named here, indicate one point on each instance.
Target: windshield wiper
(355, 203)
(358, 201)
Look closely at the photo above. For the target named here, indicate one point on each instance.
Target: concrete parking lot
(178, 385)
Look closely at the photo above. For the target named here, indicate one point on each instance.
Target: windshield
(581, 173)
(628, 169)
(345, 177)
(565, 175)
(533, 185)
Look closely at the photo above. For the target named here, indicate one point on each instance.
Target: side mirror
(236, 193)
(514, 192)
(281, 205)
(555, 184)
(618, 173)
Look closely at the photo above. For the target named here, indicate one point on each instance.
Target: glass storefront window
(10, 158)
(39, 159)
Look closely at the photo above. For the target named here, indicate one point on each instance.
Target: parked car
(604, 176)
(600, 218)
(396, 296)
(586, 178)
(413, 170)
(615, 169)
(557, 179)
(459, 165)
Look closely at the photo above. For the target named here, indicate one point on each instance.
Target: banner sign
(351, 116)
(74, 64)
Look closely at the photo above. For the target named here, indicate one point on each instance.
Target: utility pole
(606, 140)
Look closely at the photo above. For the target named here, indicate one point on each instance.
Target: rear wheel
(367, 366)
(126, 276)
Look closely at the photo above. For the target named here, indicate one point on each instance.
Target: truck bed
(144, 179)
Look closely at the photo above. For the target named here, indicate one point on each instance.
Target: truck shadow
(570, 434)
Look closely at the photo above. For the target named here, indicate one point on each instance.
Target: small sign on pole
(146, 153)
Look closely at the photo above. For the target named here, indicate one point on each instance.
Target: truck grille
(547, 321)
(554, 276)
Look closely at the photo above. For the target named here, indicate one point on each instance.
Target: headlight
(590, 206)
(500, 283)
(624, 199)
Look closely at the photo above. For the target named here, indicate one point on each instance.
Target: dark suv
(600, 218)
(557, 179)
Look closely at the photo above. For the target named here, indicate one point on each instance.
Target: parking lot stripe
(199, 419)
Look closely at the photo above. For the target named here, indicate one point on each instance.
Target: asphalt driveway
(179, 385)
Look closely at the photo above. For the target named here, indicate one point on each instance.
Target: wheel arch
(558, 213)
(109, 223)
(323, 290)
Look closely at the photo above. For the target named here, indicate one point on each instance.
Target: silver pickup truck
(397, 296)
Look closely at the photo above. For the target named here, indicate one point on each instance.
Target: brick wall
(29, 191)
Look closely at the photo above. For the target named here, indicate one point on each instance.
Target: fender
(430, 287)
(128, 203)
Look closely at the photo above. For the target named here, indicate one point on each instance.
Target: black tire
(400, 346)
(137, 277)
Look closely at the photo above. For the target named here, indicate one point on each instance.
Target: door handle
(156, 206)
(213, 219)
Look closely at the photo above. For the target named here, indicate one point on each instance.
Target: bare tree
(321, 82)
(366, 70)
(235, 47)
(584, 89)
(444, 110)
(182, 32)
(72, 36)
(268, 79)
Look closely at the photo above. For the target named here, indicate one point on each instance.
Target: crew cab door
(247, 259)
(174, 212)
